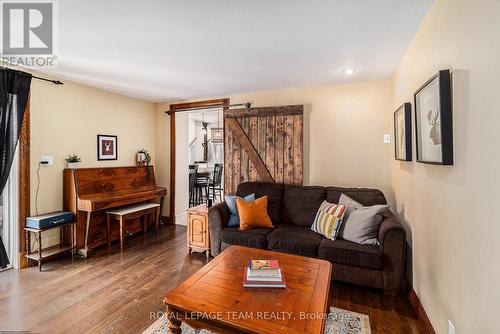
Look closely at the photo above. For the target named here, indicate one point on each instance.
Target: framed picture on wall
(217, 135)
(107, 147)
(402, 132)
(433, 120)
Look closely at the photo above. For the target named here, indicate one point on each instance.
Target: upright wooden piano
(88, 192)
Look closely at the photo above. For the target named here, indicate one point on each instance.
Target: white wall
(450, 212)
(197, 148)
(192, 136)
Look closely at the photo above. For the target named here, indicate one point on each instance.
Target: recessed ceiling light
(349, 71)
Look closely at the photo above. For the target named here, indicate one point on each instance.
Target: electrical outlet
(387, 138)
(451, 328)
(48, 159)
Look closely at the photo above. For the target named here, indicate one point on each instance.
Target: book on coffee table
(261, 270)
(252, 276)
(263, 274)
(263, 264)
(263, 282)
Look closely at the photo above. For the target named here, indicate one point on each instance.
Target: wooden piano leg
(87, 227)
(121, 233)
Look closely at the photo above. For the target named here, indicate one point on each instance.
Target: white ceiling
(165, 50)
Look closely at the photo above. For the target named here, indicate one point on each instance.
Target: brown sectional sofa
(292, 210)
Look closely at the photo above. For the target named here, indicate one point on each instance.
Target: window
(9, 214)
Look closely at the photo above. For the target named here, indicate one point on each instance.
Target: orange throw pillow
(253, 214)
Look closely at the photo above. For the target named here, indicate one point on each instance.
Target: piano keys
(88, 192)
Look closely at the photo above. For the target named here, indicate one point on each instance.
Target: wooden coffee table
(214, 297)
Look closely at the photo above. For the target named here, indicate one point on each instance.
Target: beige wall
(66, 120)
(343, 140)
(451, 211)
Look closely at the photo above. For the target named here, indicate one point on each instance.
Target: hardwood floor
(115, 293)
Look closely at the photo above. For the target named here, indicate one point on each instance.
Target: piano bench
(131, 212)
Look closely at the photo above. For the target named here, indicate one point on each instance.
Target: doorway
(199, 159)
(197, 155)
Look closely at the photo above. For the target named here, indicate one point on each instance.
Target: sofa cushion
(255, 238)
(294, 239)
(350, 253)
(253, 214)
(273, 191)
(364, 196)
(350, 205)
(300, 204)
(328, 220)
(234, 218)
(361, 223)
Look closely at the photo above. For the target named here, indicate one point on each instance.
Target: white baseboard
(181, 219)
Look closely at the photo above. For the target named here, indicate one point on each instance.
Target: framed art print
(217, 135)
(107, 147)
(433, 120)
(402, 133)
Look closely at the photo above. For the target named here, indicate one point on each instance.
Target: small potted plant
(73, 161)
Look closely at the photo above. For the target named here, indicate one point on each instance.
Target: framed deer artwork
(433, 120)
(107, 147)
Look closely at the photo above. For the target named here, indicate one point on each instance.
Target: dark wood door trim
(199, 104)
(24, 183)
(172, 168)
(240, 135)
(224, 103)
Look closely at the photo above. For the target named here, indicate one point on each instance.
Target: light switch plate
(387, 138)
(47, 158)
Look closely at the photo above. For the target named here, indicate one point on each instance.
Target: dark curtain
(14, 91)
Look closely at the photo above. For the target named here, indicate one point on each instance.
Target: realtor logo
(27, 28)
(28, 33)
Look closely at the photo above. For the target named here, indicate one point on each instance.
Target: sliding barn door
(264, 145)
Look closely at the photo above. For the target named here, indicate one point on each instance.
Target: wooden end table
(40, 254)
(214, 297)
(198, 236)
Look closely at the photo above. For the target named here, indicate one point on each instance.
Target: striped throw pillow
(328, 219)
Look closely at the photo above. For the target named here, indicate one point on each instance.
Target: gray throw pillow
(362, 222)
(349, 204)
